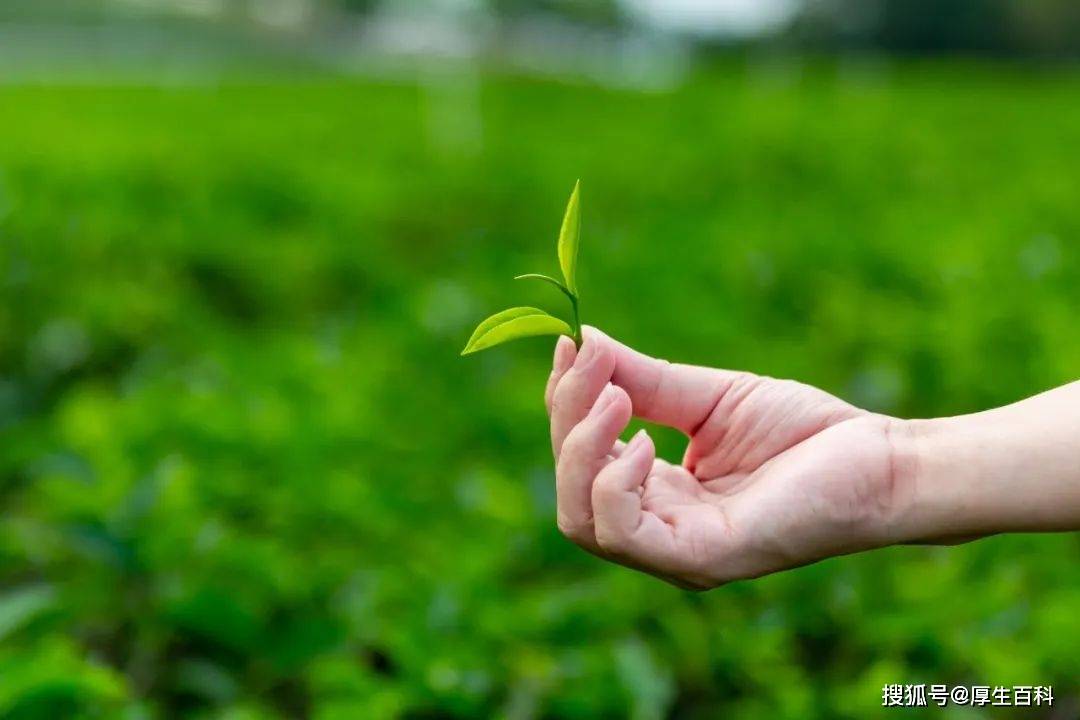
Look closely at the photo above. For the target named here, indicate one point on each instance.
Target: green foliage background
(245, 474)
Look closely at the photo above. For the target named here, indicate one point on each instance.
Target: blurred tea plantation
(244, 473)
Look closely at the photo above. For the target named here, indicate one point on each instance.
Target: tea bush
(245, 474)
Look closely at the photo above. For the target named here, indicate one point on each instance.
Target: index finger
(578, 389)
(672, 394)
(565, 353)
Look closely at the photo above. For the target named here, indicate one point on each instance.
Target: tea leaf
(512, 324)
(568, 240)
(501, 317)
(545, 278)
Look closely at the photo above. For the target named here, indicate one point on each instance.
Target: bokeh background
(243, 471)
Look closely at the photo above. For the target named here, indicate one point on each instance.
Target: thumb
(673, 394)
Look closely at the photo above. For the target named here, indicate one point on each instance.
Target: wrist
(904, 482)
(1014, 469)
(939, 490)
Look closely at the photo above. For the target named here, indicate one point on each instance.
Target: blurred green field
(245, 474)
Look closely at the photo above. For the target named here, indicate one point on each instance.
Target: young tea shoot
(519, 322)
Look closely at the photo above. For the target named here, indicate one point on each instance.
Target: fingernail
(607, 396)
(563, 358)
(586, 354)
(637, 442)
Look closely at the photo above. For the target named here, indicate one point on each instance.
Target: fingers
(585, 452)
(680, 396)
(617, 491)
(623, 530)
(565, 352)
(577, 389)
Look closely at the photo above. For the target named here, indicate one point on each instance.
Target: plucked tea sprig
(522, 322)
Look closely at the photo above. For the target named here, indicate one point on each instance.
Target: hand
(776, 474)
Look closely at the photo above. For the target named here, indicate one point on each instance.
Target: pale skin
(778, 474)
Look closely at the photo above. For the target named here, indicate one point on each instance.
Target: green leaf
(568, 240)
(512, 324)
(545, 278)
(19, 606)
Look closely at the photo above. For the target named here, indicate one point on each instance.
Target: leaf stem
(577, 319)
(536, 276)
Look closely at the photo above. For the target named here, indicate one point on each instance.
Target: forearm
(1012, 469)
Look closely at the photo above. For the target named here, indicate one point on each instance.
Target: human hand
(777, 474)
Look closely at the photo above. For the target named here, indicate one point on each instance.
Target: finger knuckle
(558, 403)
(576, 532)
(564, 390)
(612, 540)
(549, 389)
(605, 488)
(576, 443)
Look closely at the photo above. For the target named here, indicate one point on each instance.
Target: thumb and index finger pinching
(672, 394)
(579, 386)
